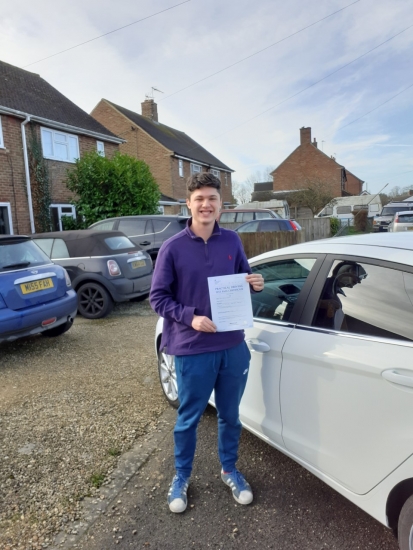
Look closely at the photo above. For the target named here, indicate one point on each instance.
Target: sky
(347, 75)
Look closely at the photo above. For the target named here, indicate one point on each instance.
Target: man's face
(204, 204)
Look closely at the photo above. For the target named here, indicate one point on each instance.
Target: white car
(402, 221)
(331, 375)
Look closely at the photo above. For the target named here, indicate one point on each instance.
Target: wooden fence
(314, 228)
(257, 243)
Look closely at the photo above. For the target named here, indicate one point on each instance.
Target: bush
(109, 187)
(360, 220)
(334, 226)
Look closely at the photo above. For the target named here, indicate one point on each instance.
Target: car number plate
(35, 286)
(138, 263)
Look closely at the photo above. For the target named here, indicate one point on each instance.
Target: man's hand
(203, 324)
(256, 281)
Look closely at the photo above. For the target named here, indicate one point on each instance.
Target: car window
(160, 225)
(15, 255)
(367, 299)
(104, 226)
(274, 225)
(227, 217)
(245, 216)
(132, 227)
(119, 242)
(283, 281)
(59, 250)
(406, 218)
(45, 245)
(262, 215)
(343, 209)
(248, 228)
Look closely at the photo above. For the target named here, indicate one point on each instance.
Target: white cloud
(180, 46)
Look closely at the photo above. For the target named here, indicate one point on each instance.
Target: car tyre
(94, 301)
(57, 331)
(167, 377)
(405, 527)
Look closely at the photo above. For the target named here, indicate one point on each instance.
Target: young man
(205, 359)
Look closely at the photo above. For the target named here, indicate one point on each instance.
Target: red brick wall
(164, 167)
(12, 173)
(308, 162)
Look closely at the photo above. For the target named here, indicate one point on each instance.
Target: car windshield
(18, 255)
(406, 217)
(391, 210)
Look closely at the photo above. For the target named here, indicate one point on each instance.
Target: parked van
(381, 221)
(343, 207)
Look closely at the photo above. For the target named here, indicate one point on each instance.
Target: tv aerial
(151, 94)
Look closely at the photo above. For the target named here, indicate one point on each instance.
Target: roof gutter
(27, 171)
(204, 163)
(60, 125)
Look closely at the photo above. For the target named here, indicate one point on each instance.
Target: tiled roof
(174, 140)
(28, 92)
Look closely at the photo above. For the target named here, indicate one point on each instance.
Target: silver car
(402, 221)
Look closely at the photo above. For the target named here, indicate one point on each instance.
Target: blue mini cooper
(36, 295)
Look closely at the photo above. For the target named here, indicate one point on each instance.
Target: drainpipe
(26, 169)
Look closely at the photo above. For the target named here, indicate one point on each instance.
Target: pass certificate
(230, 299)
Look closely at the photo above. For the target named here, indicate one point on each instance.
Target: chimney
(315, 143)
(150, 110)
(305, 135)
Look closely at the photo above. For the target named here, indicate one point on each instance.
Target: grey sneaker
(241, 489)
(177, 494)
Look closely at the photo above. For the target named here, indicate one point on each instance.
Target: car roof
(86, 242)
(396, 247)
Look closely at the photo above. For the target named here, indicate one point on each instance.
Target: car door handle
(396, 377)
(257, 345)
(145, 243)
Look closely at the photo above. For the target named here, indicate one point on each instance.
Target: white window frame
(55, 140)
(216, 173)
(196, 168)
(60, 214)
(1, 136)
(100, 148)
(7, 205)
(181, 168)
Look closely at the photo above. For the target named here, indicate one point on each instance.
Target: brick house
(32, 111)
(171, 154)
(307, 162)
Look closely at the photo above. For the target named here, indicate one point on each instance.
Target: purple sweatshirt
(179, 287)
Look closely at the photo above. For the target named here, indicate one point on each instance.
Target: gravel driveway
(69, 406)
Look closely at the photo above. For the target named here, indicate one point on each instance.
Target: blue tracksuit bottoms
(224, 371)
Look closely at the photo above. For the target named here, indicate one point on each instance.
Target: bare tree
(242, 191)
(314, 194)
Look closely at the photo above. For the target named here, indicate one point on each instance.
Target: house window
(1, 135)
(216, 173)
(59, 146)
(100, 147)
(6, 226)
(161, 209)
(59, 211)
(196, 168)
(181, 168)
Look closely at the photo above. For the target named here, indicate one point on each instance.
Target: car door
(347, 386)
(274, 309)
(140, 232)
